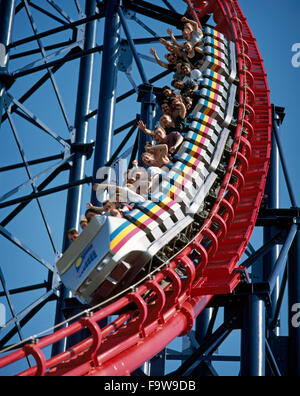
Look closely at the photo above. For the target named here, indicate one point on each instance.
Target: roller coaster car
(110, 254)
(92, 270)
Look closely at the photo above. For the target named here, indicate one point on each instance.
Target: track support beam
(107, 97)
(80, 138)
(253, 337)
(7, 10)
(294, 307)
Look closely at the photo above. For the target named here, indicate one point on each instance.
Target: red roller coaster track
(136, 336)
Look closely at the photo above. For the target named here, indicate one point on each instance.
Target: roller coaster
(174, 257)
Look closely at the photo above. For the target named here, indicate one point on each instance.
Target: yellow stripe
(179, 180)
(166, 201)
(173, 189)
(215, 76)
(122, 235)
(155, 209)
(202, 129)
(206, 119)
(194, 149)
(190, 163)
(188, 168)
(214, 85)
(199, 138)
(212, 95)
(207, 110)
(141, 220)
(193, 160)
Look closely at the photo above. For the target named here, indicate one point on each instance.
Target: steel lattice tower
(60, 50)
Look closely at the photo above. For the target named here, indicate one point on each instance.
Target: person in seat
(73, 234)
(173, 140)
(91, 213)
(156, 156)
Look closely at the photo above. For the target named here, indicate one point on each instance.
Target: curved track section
(152, 315)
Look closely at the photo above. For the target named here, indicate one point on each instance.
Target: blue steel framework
(254, 308)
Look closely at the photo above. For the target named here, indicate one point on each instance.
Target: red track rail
(136, 336)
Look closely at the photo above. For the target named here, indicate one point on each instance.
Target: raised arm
(143, 128)
(199, 50)
(158, 60)
(179, 142)
(181, 109)
(167, 44)
(194, 24)
(91, 206)
(170, 32)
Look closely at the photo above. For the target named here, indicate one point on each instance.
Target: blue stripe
(174, 178)
(149, 206)
(138, 215)
(193, 136)
(209, 83)
(162, 197)
(119, 230)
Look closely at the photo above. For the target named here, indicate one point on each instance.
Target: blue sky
(276, 31)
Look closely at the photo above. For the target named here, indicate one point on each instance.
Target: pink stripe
(191, 172)
(198, 151)
(126, 239)
(157, 214)
(146, 223)
(204, 136)
(170, 204)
